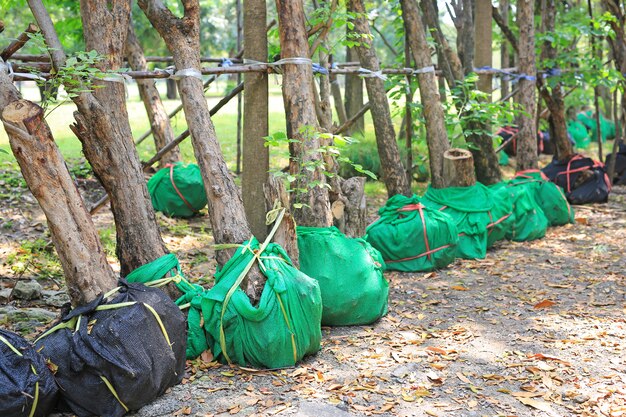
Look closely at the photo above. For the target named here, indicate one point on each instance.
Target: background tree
(393, 173)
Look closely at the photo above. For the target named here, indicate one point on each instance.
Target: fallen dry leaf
(459, 288)
(544, 304)
(539, 405)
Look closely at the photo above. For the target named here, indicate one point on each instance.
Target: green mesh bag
(281, 330)
(479, 215)
(503, 159)
(350, 275)
(527, 220)
(278, 332)
(607, 126)
(549, 196)
(411, 237)
(578, 132)
(177, 190)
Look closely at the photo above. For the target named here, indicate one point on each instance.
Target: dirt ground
(535, 329)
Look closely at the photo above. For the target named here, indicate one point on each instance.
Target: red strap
(171, 167)
(417, 256)
(532, 171)
(419, 207)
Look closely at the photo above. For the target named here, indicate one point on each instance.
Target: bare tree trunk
(87, 272)
(483, 49)
(354, 95)
(299, 100)
(617, 43)
(554, 97)
(458, 168)
(285, 235)
(226, 210)
(172, 90)
(394, 176)
(256, 117)
(504, 49)
(337, 98)
(104, 130)
(436, 134)
(159, 120)
(527, 136)
(454, 68)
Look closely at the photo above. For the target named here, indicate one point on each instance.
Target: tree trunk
(355, 211)
(107, 140)
(285, 235)
(256, 117)
(103, 128)
(458, 168)
(301, 119)
(554, 97)
(226, 210)
(504, 49)
(436, 134)
(337, 98)
(527, 136)
(87, 272)
(354, 95)
(159, 120)
(618, 42)
(394, 176)
(483, 49)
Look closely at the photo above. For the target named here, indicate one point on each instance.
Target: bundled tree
(226, 211)
(103, 128)
(87, 272)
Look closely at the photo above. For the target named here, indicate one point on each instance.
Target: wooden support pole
(21, 40)
(348, 123)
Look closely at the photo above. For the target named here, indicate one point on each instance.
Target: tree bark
(554, 97)
(617, 43)
(436, 134)
(158, 117)
(504, 49)
(87, 272)
(256, 117)
(354, 95)
(104, 130)
(527, 136)
(458, 168)
(454, 68)
(394, 176)
(285, 235)
(301, 119)
(483, 49)
(337, 98)
(226, 210)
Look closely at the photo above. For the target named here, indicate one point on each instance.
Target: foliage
(37, 256)
(293, 180)
(77, 76)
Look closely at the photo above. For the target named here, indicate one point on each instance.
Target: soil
(535, 329)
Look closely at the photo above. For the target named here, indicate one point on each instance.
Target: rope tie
(240, 278)
(507, 75)
(366, 73)
(182, 73)
(424, 70)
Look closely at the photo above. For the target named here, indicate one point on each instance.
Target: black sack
(619, 177)
(583, 179)
(113, 355)
(24, 379)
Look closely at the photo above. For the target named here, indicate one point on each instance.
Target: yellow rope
(240, 278)
(158, 319)
(110, 387)
(36, 399)
(6, 342)
(293, 339)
